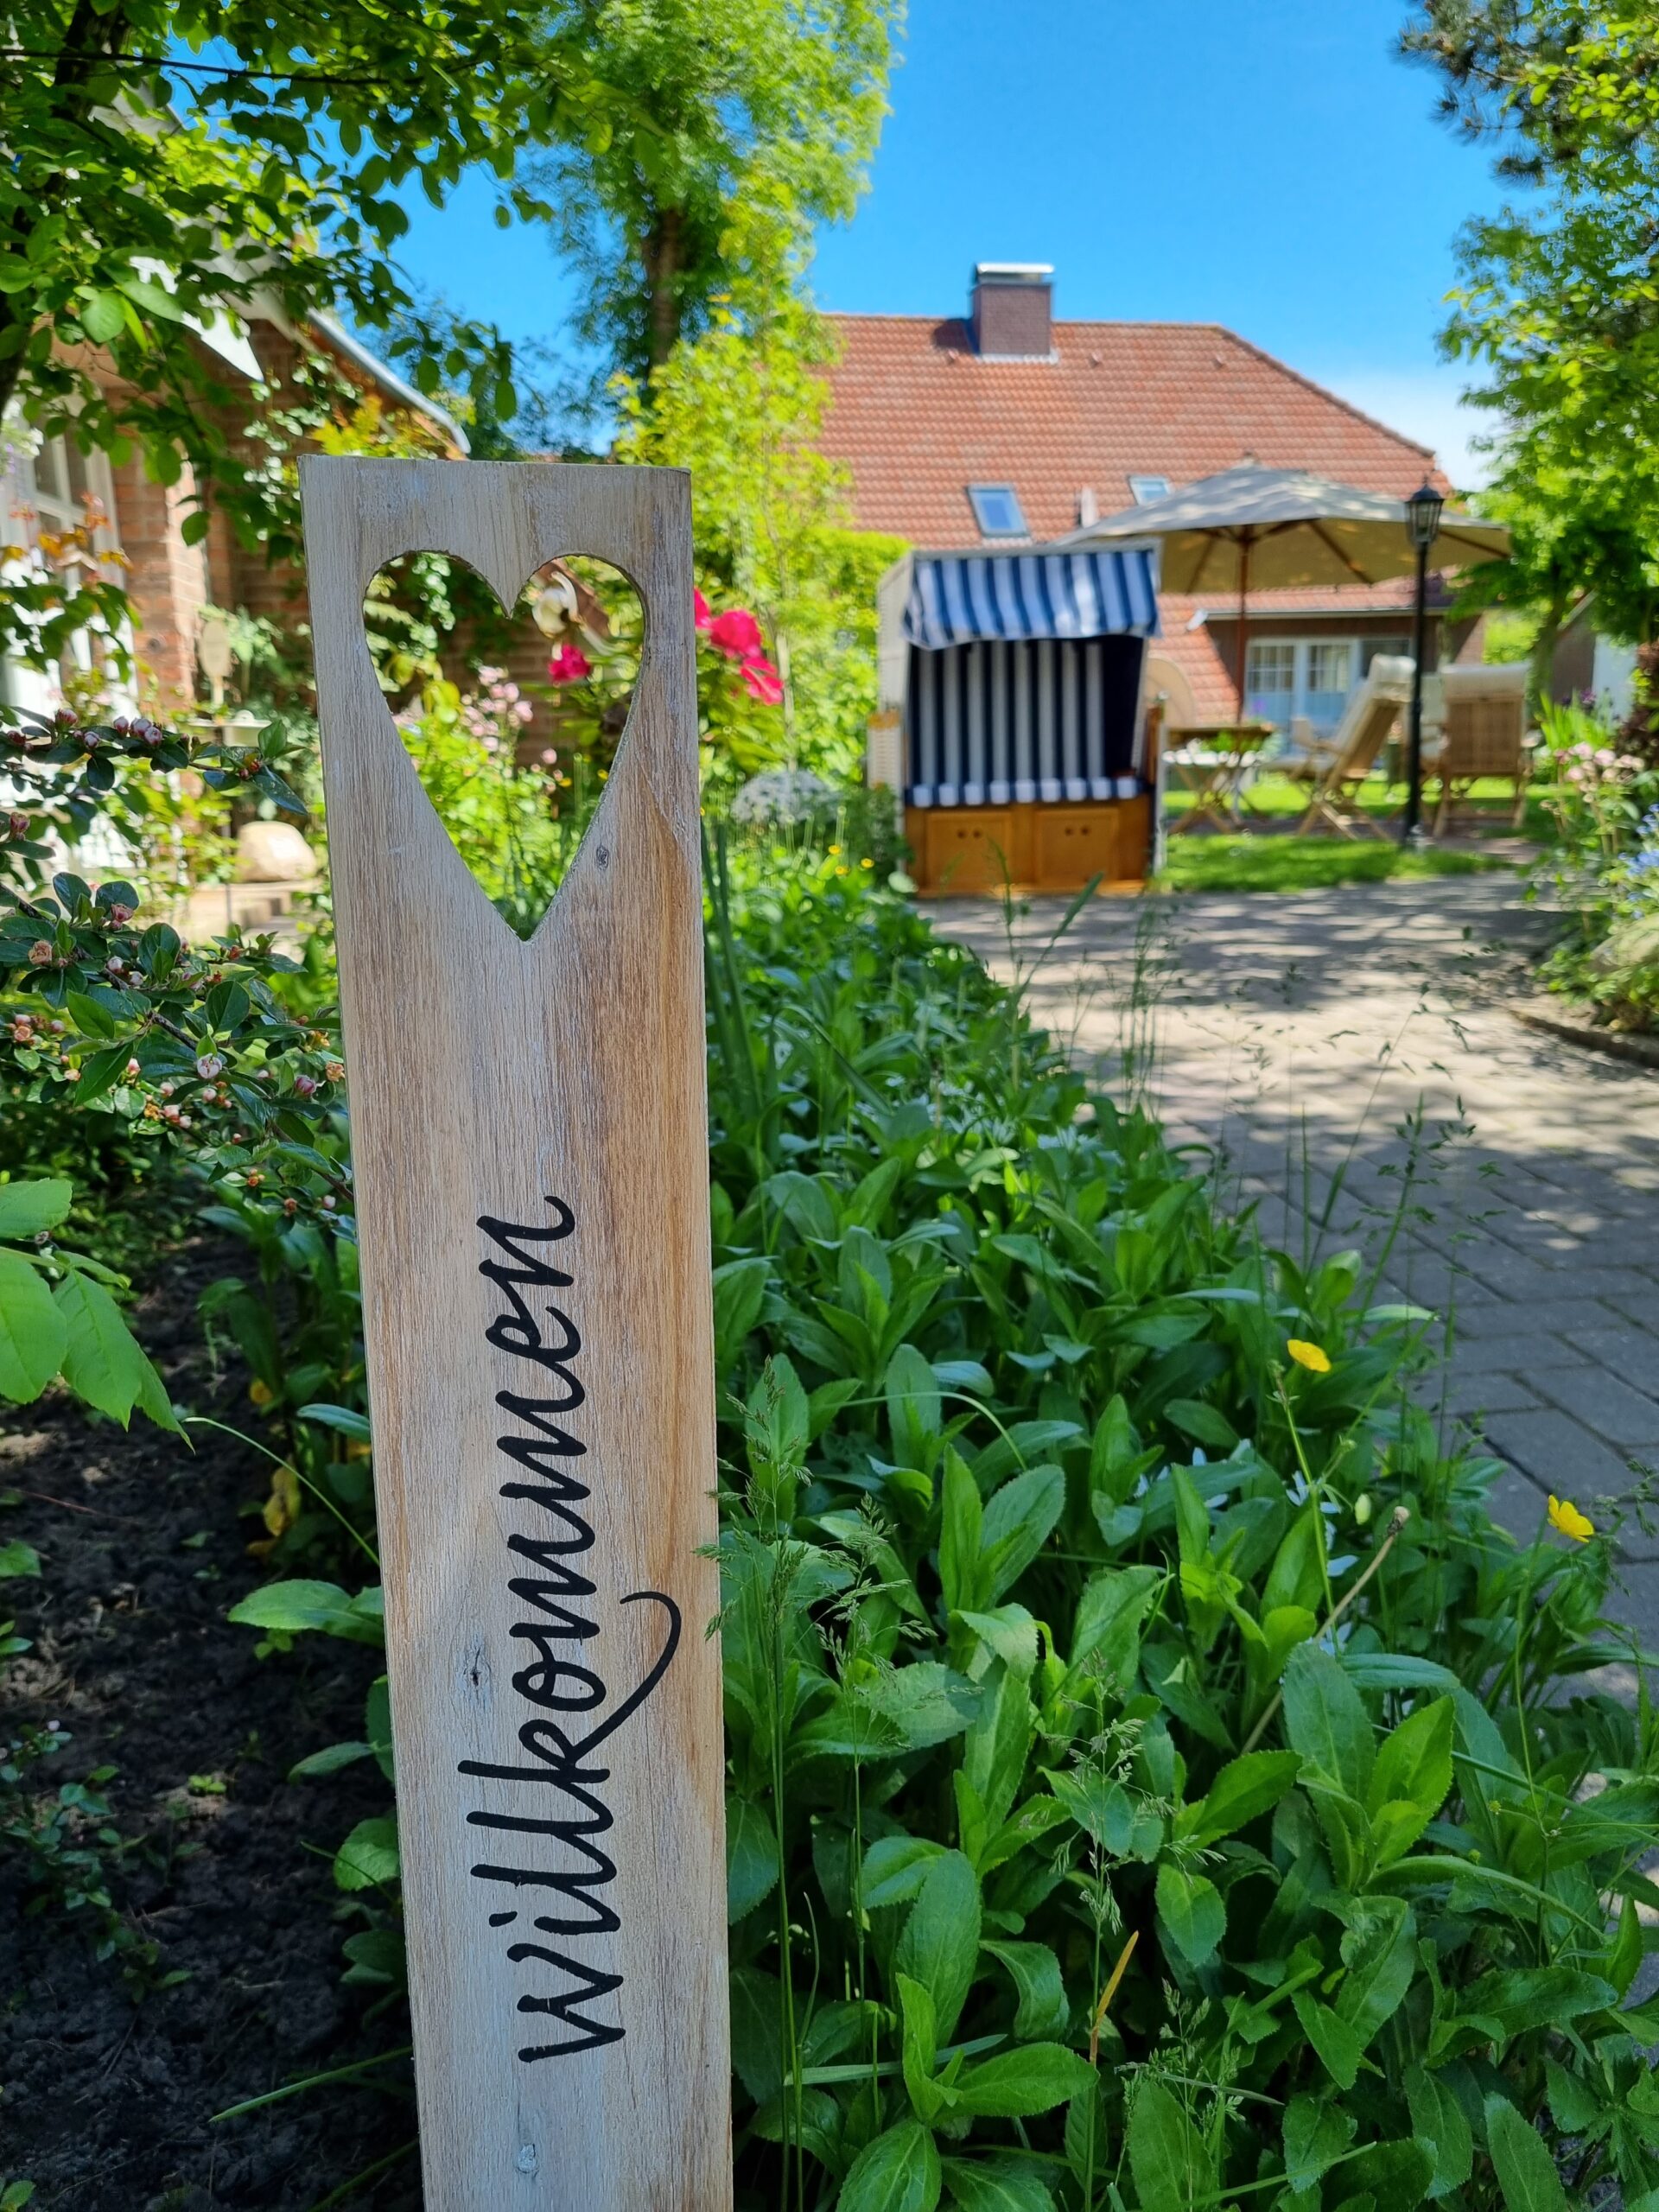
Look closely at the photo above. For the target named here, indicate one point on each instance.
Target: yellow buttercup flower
(1308, 1356)
(1566, 1516)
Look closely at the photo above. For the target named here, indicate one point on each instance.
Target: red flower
(764, 680)
(737, 634)
(701, 612)
(569, 665)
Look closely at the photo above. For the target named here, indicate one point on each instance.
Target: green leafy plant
(66, 773)
(60, 1323)
(62, 1847)
(1603, 868)
(176, 167)
(1154, 1777)
(186, 1046)
(58, 1319)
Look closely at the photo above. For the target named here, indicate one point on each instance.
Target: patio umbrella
(1276, 528)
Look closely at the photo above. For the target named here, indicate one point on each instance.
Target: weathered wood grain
(540, 1086)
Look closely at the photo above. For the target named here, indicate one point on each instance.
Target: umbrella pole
(1244, 595)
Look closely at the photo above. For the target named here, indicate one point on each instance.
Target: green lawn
(1216, 863)
(1486, 813)
(1272, 859)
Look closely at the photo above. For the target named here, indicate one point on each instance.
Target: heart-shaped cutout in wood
(512, 717)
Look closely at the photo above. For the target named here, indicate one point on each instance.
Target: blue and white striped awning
(957, 598)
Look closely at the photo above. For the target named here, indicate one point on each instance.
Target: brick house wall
(168, 582)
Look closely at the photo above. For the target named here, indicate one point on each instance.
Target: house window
(62, 491)
(60, 502)
(996, 509)
(1330, 678)
(62, 481)
(1300, 679)
(1143, 490)
(1330, 668)
(1271, 679)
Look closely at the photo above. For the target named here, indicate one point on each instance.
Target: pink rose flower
(737, 634)
(569, 665)
(764, 680)
(703, 614)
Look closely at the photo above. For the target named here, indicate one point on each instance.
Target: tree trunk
(661, 256)
(1543, 656)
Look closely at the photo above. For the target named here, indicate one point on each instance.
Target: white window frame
(1301, 690)
(27, 507)
(1143, 490)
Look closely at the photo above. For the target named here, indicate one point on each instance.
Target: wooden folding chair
(1337, 767)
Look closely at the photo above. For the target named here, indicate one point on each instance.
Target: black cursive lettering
(552, 1681)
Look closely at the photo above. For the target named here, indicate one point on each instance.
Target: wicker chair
(1484, 735)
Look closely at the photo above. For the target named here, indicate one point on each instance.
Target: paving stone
(1434, 1282)
(1467, 1396)
(1517, 1277)
(1303, 1035)
(1553, 1317)
(1628, 1351)
(1562, 1455)
(1641, 1307)
(1633, 1600)
(1601, 1401)
(1516, 1504)
(1612, 1287)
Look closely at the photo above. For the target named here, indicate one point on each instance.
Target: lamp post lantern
(1422, 527)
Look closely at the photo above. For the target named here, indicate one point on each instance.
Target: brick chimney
(1009, 311)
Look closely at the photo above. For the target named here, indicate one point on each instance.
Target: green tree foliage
(726, 135)
(743, 409)
(167, 164)
(1560, 297)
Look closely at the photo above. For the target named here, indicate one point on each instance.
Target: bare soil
(107, 2104)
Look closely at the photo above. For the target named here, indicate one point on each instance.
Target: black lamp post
(1423, 528)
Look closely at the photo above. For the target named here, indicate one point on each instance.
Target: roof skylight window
(1143, 490)
(996, 509)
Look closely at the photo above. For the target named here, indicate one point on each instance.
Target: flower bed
(1152, 1776)
(1604, 869)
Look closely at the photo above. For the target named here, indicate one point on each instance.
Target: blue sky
(1265, 163)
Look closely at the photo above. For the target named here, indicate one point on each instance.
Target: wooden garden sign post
(528, 1134)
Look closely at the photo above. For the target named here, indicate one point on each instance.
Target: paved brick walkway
(1300, 1034)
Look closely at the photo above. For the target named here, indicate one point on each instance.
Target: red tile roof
(917, 416)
